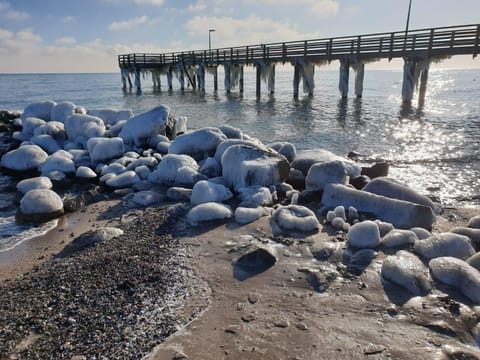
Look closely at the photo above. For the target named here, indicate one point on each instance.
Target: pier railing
(423, 43)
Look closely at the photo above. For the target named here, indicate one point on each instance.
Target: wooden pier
(417, 47)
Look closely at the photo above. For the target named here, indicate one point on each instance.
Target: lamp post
(210, 42)
(408, 22)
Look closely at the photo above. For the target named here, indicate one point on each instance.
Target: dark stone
(376, 170)
(360, 182)
(254, 259)
(21, 218)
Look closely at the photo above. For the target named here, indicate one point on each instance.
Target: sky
(38, 36)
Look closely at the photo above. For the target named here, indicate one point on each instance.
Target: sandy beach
(165, 290)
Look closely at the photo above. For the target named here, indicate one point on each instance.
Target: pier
(418, 48)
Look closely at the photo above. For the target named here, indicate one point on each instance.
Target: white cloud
(325, 7)
(149, 2)
(5, 34)
(128, 24)
(7, 12)
(65, 41)
(67, 19)
(198, 6)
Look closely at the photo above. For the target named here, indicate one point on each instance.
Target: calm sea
(435, 149)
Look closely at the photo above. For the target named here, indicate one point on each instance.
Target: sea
(434, 148)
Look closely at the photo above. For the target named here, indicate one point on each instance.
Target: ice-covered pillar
(169, 78)
(124, 74)
(215, 78)
(308, 78)
(228, 78)
(258, 79)
(181, 76)
(271, 78)
(423, 82)
(359, 75)
(240, 81)
(344, 76)
(297, 70)
(201, 77)
(408, 79)
(138, 83)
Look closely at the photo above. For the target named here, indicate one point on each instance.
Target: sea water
(435, 148)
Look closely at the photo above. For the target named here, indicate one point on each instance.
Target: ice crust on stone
(40, 110)
(27, 157)
(85, 173)
(364, 234)
(306, 158)
(40, 182)
(199, 144)
(169, 172)
(111, 116)
(245, 215)
(46, 142)
(58, 162)
(399, 237)
(294, 218)
(254, 196)
(81, 127)
(321, 174)
(41, 201)
(61, 111)
(101, 149)
(445, 244)
(206, 191)
(208, 212)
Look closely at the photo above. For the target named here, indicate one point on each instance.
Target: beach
(165, 290)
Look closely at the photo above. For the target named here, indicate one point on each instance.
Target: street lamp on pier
(210, 42)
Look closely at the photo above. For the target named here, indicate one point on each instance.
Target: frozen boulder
(53, 128)
(474, 222)
(231, 132)
(40, 110)
(392, 189)
(46, 142)
(295, 218)
(179, 193)
(102, 149)
(111, 116)
(123, 180)
(40, 205)
(244, 166)
(401, 214)
(321, 174)
(176, 170)
(206, 191)
(398, 238)
(245, 215)
(27, 157)
(458, 274)
(444, 244)
(472, 233)
(286, 149)
(474, 261)
(149, 161)
(254, 196)
(221, 148)
(253, 259)
(29, 125)
(62, 110)
(83, 127)
(364, 235)
(147, 198)
(89, 239)
(58, 161)
(199, 144)
(306, 158)
(85, 172)
(407, 270)
(208, 212)
(139, 129)
(40, 182)
(210, 167)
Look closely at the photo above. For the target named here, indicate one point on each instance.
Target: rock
(244, 166)
(210, 168)
(458, 274)
(176, 170)
(324, 250)
(80, 128)
(474, 222)
(281, 322)
(46, 142)
(123, 180)
(41, 182)
(222, 147)
(306, 158)
(364, 234)
(320, 174)
(472, 233)
(208, 212)
(88, 239)
(58, 161)
(359, 260)
(53, 128)
(40, 110)
(179, 194)
(26, 157)
(444, 244)
(286, 149)
(111, 116)
(147, 198)
(254, 196)
(421, 233)
(245, 215)
(102, 149)
(293, 218)
(253, 259)
(397, 238)
(406, 270)
(199, 144)
(61, 111)
(84, 172)
(206, 191)
(359, 182)
(474, 261)
(401, 214)
(231, 132)
(39, 205)
(376, 170)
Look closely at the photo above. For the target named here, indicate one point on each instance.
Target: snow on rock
(58, 161)
(474, 222)
(148, 161)
(198, 144)
(364, 235)
(115, 130)
(40, 182)
(231, 132)
(286, 149)
(245, 215)
(321, 174)
(407, 270)
(179, 193)
(143, 172)
(84, 127)
(123, 180)
(40, 110)
(458, 274)
(101, 149)
(306, 158)
(210, 167)
(206, 191)
(401, 214)
(444, 244)
(176, 170)
(113, 168)
(392, 189)
(294, 218)
(40, 205)
(111, 116)
(27, 157)
(147, 198)
(29, 125)
(208, 212)
(474, 261)
(139, 129)
(85, 172)
(243, 166)
(472, 233)
(62, 110)
(46, 142)
(398, 237)
(253, 196)
(53, 128)
(230, 142)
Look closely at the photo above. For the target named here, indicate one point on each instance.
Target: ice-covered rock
(46, 142)
(147, 198)
(148, 161)
(364, 234)
(40, 205)
(398, 237)
(27, 157)
(210, 167)
(444, 244)
(29, 125)
(62, 110)
(408, 271)
(231, 132)
(474, 261)
(421, 233)
(208, 212)
(40, 110)
(243, 166)
(458, 274)
(80, 128)
(85, 172)
(221, 148)
(206, 191)
(245, 215)
(306, 158)
(53, 128)
(58, 161)
(254, 196)
(286, 149)
(321, 174)
(199, 144)
(139, 129)
(89, 239)
(392, 189)
(115, 130)
(40, 182)
(123, 180)
(143, 172)
(472, 233)
(176, 170)
(474, 222)
(179, 193)
(111, 116)
(113, 168)
(295, 218)
(401, 214)
(101, 149)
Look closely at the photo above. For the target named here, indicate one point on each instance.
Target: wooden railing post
(430, 41)
(392, 37)
(359, 41)
(477, 41)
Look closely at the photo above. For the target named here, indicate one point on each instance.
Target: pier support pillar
(408, 79)
(181, 76)
(240, 81)
(271, 78)
(201, 77)
(228, 78)
(156, 79)
(215, 78)
(424, 67)
(258, 82)
(344, 77)
(169, 78)
(359, 75)
(138, 83)
(124, 74)
(297, 71)
(308, 78)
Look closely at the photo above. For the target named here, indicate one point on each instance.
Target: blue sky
(87, 35)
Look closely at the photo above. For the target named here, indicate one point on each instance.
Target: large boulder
(445, 244)
(59, 161)
(243, 166)
(111, 116)
(199, 144)
(27, 157)
(206, 191)
(364, 235)
(81, 127)
(39, 205)
(101, 149)
(40, 182)
(294, 218)
(176, 170)
(306, 158)
(62, 110)
(321, 174)
(40, 110)
(208, 212)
